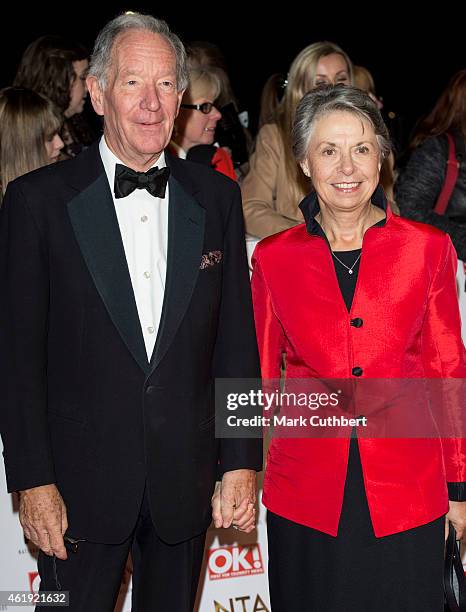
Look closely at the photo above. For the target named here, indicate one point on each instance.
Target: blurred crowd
(43, 119)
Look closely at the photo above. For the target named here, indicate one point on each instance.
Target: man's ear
(96, 94)
(305, 168)
(180, 95)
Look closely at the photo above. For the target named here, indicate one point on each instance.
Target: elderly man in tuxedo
(125, 293)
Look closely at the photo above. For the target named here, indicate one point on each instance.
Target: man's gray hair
(338, 98)
(101, 57)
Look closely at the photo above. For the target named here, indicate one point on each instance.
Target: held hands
(457, 516)
(42, 514)
(234, 499)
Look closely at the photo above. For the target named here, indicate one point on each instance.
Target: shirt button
(357, 371)
(146, 274)
(144, 218)
(151, 330)
(356, 322)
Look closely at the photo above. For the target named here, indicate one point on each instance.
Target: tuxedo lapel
(93, 217)
(185, 242)
(95, 224)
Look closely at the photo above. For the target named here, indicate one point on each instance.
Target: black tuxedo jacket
(81, 405)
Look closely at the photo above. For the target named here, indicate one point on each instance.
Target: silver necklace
(350, 269)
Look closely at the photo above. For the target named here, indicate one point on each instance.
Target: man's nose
(150, 100)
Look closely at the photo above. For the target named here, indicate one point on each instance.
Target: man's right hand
(42, 514)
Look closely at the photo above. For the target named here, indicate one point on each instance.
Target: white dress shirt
(143, 221)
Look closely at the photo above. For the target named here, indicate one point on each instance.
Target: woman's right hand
(457, 516)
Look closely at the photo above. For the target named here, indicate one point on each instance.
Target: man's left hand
(234, 499)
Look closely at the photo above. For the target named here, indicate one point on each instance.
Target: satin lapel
(95, 225)
(185, 242)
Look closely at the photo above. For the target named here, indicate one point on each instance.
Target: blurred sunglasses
(205, 107)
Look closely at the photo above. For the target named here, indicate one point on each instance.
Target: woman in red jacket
(357, 523)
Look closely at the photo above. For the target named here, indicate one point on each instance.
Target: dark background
(411, 58)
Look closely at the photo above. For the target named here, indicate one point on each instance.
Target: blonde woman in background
(29, 138)
(232, 129)
(194, 132)
(275, 184)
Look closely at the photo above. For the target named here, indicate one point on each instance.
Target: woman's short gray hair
(338, 98)
(101, 57)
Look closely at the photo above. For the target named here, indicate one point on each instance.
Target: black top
(420, 184)
(346, 280)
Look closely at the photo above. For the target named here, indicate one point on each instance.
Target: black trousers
(165, 577)
(355, 571)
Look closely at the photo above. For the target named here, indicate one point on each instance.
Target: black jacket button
(150, 390)
(356, 322)
(357, 371)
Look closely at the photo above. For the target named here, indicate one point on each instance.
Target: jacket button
(356, 322)
(150, 390)
(357, 371)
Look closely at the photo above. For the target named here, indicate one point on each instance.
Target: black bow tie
(127, 180)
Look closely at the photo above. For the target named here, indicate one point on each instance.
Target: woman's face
(343, 161)
(78, 91)
(53, 146)
(193, 127)
(331, 69)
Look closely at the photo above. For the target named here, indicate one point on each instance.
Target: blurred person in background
(271, 96)
(194, 132)
(275, 183)
(56, 68)
(232, 129)
(29, 133)
(426, 189)
(364, 80)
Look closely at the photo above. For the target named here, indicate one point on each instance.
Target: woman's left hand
(457, 516)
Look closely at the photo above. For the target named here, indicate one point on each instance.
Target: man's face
(141, 99)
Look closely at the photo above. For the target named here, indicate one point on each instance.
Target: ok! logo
(234, 561)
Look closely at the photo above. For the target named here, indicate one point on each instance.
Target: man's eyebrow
(130, 70)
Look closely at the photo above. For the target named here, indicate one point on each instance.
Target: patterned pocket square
(210, 259)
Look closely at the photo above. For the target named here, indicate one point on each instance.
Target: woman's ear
(305, 168)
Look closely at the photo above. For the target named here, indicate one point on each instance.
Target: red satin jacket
(406, 298)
